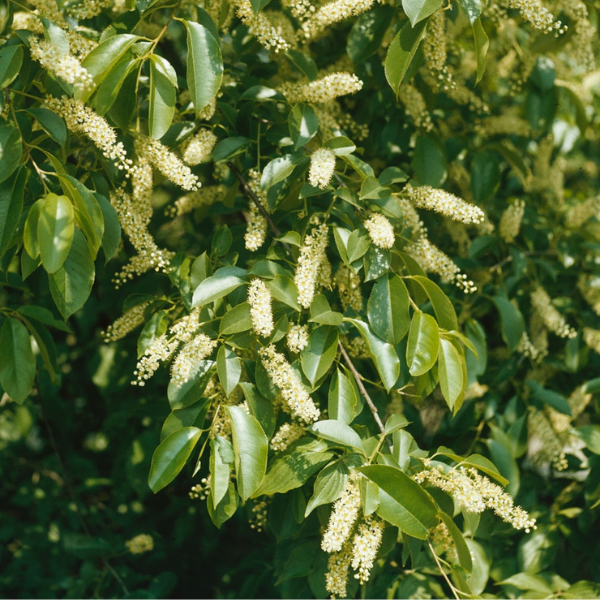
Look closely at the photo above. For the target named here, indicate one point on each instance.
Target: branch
(362, 388)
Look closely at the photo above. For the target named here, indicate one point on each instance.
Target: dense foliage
(348, 255)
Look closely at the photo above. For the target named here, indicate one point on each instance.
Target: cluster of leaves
(418, 371)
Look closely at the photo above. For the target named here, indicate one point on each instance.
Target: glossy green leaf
(329, 484)
(236, 320)
(230, 147)
(51, 123)
(17, 362)
(251, 446)
(190, 416)
(337, 432)
(343, 397)
(417, 10)
(284, 289)
(303, 63)
(110, 88)
(367, 33)
(513, 324)
(170, 457)
(429, 161)
(30, 238)
(220, 451)
(224, 281)
(388, 308)
(56, 227)
(450, 372)
(462, 550)
(482, 43)
(423, 344)
(204, 65)
(471, 8)
(226, 508)
(442, 307)
(11, 148)
(279, 168)
(11, 207)
(229, 369)
(340, 145)
(111, 237)
(590, 434)
(260, 408)
(303, 124)
(319, 354)
(11, 60)
(71, 284)
(186, 394)
(163, 84)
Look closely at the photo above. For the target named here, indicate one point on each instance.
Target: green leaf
(343, 397)
(225, 509)
(423, 344)
(292, 469)
(111, 238)
(367, 33)
(303, 124)
(320, 312)
(236, 320)
(395, 422)
(229, 369)
(170, 457)
(186, 394)
(340, 145)
(56, 227)
(319, 354)
(429, 162)
(528, 581)
(161, 97)
(30, 238)
(110, 88)
(475, 460)
(482, 43)
(450, 372)
(260, 408)
(204, 65)
(462, 550)
(43, 315)
(485, 176)
(303, 63)
(442, 307)
(258, 5)
(284, 289)
(471, 8)
(51, 123)
(17, 362)
(220, 451)
(280, 168)
(403, 502)
(401, 53)
(11, 148)
(337, 432)
(384, 355)
(230, 147)
(224, 281)
(358, 244)
(251, 446)
(72, 283)
(417, 10)
(513, 324)
(590, 434)
(190, 416)
(11, 60)
(329, 484)
(387, 308)
(11, 207)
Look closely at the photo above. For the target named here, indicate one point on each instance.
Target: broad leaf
(55, 230)
(229, 369)
(417, 10)
(343, 397)
(224, 281)
(329, 485)
(337, 432)
(17, 362)
(423, 344)
(319, 354)
(163, 83)
(303, 124)
(388, 308)
(450, 372)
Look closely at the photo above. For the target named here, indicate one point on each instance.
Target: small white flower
(322, 166)
(380, 231)
(261, 312)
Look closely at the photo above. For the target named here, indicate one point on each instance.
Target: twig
(361, 387)
(71, 493)
(453, 588)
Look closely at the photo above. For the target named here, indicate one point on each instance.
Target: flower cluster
(258, 515)
(348, 286)
(433, 260)
(545, 445)
(527, 348)
(365, 545)
(312, 256)
(445, 203)
(381, 231)
(333, 12)
(260, 27)
(510, 222)
(86, 9)
(61, 64)
(322, 90)
(476, 493)
(322, 166)
(552, 319)
(200, 147)
(434, 49)
(126, 323)
(261, 312)
(256, 231)
(537, 14)
(81, 119)
(199, 348)
(160, 157)
(344, 514)
(592, 338)
(297, 338)
(415, 106)
(286, 435)
(580, 213)
(205, 196)
(201, 490)
(140, 543)
(338, 567)
(297, 401)
(589, 288)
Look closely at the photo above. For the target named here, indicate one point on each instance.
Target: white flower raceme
(199, 348)
(433, 260)
(510, 223)
(381, 231)
(86, 9)
(322, 166)
(200, 147)
(297, 338)
(552, 319)
(344, 514)
(259, 25)
(592, 338)
(338, 566)
(173, 168)
(300, 9)
(61, 64)
(256, 231)
(333, 12)
(286, 435)
(261, 312)
(415, 106)
(126, 323)
(537, 14)
(312, 256)
(434, 49)
(445, 203)
(205, 196)
(365, 546)
(81, 119)
(140, 543)
(322, 90)
(297, 401)
(476, 493)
